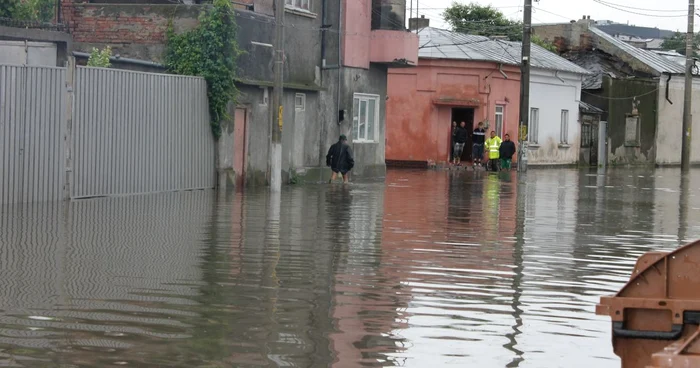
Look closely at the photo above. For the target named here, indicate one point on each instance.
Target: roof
(639, 32)
(588, 108)
(655, 62)
(442, 44)
(673, 56)
(599, 64)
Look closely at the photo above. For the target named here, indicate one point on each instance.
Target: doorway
(464, 115)
(239, 146)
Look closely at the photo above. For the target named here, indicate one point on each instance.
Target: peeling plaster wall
(551, 95)
(619, 95)
(669, 134)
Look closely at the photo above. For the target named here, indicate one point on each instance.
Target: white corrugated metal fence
(131, 133)
(32, 152)
(140, 133)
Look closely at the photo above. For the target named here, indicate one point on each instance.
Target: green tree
(677, 43)
(210, 51)
(28, 10)
(487, 21)
(7, 8)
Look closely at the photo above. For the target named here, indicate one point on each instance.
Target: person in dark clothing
(478, 138)
(461, 134)
(340, 159)
(506, 151)
(452, 141)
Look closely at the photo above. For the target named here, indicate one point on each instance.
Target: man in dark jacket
(461, 134)
(478, 139)
(506, 152)
(340, 159)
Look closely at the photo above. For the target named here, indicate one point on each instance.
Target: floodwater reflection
(427, 269)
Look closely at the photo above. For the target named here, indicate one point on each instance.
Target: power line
(620, 98)
(638, 13)
(642, 9)
(549, 12)
(427, 46)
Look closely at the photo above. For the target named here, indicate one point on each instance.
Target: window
(564, 133)
(298, 4)
(586, 138)
(632, 131)
(264, 97)
(300, 102)
(534, 126)
(499, 120)
(365, 115)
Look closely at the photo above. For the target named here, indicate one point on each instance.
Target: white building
(555, 133)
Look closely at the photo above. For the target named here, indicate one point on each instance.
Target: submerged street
(426, 270)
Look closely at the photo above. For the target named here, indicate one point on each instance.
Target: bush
(100, 58)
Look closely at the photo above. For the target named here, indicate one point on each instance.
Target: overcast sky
(664, 14)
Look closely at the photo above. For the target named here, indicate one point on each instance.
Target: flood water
(429, 269)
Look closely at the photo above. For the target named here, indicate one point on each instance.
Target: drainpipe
(668, 83)
(323, 33)
(556, 74)
(500, 69)
(119, 59)
(340, 54)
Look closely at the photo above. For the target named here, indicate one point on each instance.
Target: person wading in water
(340, 159)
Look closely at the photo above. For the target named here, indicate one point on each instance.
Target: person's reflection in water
(464, 204)
(338, 203)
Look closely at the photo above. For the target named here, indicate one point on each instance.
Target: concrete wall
(421, 100)
(40, 53)
(618, 93)
(551, 95)
(566, 36)
(669, 133)
(28, 53)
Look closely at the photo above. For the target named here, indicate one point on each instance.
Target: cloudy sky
(666, 14)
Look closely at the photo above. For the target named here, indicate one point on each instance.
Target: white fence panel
(32, 117)
(140, 132)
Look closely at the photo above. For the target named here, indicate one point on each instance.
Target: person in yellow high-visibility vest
(492, 146)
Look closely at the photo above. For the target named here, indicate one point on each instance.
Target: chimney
(416, 24)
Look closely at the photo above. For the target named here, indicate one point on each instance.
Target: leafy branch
(100, 58)
(210, 51)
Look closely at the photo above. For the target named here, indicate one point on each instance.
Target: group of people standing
(498, 150)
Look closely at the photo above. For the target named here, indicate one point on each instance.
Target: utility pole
(278, 112)
(688, 101)
(525, 87)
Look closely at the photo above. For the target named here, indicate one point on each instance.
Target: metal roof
(673, 56)
(640, 32)
(442, 44)
(654, 61)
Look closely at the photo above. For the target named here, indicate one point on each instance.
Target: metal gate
(139, 132)
(32, 150)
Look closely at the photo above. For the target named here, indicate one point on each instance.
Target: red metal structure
(656, 315)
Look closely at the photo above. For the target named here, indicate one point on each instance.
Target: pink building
(458, 78)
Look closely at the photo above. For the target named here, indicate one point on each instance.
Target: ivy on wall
(210, 51)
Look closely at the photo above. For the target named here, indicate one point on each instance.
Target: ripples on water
(427, 270)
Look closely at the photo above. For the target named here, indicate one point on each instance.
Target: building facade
(639, 91)
(474, 79)
(336, 57)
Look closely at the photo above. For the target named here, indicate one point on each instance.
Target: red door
(239, 145)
